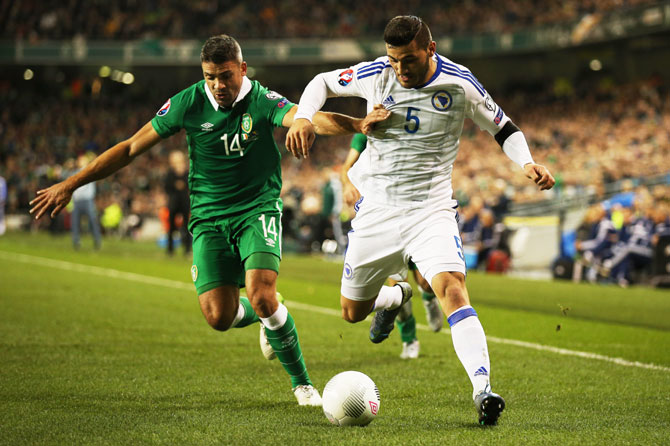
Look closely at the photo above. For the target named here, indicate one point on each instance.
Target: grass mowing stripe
(106, 272)
(116, 274)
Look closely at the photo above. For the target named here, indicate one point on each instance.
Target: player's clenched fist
(300, 138)
(540, 175)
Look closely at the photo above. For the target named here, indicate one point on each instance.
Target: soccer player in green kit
(234, 183)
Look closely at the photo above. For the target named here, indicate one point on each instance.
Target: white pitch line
(141, 278)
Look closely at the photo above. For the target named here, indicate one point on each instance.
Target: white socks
(389, 298)
(469, 341)
(239, 316)
(277, 320)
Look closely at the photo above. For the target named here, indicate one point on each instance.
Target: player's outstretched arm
(327, 123)
(301, 134)
(113, 159)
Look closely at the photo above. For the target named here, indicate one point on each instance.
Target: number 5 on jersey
(412, 120)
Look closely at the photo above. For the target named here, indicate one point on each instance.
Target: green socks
(246, 314)
(285, 343)
(407, 329)
(427, 296)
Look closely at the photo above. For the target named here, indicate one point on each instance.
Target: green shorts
(223, 249)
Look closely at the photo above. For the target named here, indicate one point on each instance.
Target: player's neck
(432, 67)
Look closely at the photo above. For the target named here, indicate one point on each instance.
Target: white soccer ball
(350, 399)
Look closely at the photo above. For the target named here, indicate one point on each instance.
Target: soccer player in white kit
(406, 210)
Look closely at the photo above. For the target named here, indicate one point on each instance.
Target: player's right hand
(540, 175)
(56, 196)
(378, 114)
(300, 138)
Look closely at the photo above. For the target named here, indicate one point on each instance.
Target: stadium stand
(593, 131)
(41, 20)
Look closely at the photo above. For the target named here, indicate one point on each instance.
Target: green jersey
(234, 160)
(359, 142)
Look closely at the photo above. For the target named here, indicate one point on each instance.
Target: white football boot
(410, 350)
(266, 348)
(434, 314)
(307, 395)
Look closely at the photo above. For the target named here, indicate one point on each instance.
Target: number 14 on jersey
(234, 145)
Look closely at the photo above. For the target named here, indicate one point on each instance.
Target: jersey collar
(244, 91)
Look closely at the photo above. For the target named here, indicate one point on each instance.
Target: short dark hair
(403, 29)
(220, 49)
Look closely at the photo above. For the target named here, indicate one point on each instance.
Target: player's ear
(243, 68)
(431, 48)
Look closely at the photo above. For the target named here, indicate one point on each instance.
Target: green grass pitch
(91, 356)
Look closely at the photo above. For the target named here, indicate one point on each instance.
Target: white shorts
(383, 240)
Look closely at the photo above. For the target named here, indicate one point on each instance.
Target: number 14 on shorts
(269, 227)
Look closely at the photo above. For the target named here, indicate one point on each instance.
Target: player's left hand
(300, 138)
(378, 114)
(56, 197)
(540, 175)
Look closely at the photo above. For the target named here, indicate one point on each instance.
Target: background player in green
(234, 182)
(405, 319)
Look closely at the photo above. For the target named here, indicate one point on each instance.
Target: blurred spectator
(470, 224)
(112, 216)
(83, 200)
(332, 208)
(598, 247)
(633, 251)
(179, 19)
(176, 188)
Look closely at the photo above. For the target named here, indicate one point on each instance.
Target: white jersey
(409, 157)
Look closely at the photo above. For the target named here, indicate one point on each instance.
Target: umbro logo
(482, 371)
(207, 126)
(388, 101)
(289, 341)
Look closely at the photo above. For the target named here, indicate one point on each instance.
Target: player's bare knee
(264, 303)
(218, 319)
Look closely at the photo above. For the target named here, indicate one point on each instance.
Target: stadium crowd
(34, 20)
(628, 136)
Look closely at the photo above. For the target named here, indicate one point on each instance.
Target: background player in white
(404, 176)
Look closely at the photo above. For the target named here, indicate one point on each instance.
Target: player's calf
(355, 311)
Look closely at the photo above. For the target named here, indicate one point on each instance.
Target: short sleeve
(169, 118)
(275, 104)
(359, 142)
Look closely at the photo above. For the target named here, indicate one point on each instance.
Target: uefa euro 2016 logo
(345, 77)
(164, 109)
